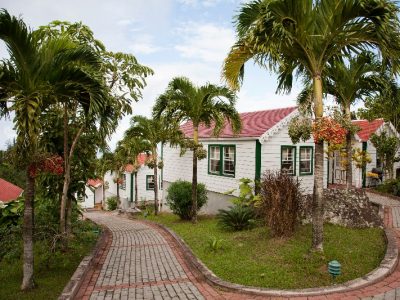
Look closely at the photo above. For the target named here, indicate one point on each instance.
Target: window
(150, 182)
(288, 159)
(123, 184)
(306, 160)
(214, 154)
(221, 160)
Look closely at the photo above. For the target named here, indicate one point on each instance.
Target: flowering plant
(53, 164)
(327, 129)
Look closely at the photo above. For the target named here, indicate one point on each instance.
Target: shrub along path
(145, 263)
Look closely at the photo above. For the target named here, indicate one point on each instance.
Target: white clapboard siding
(271, 157)
(180, 167)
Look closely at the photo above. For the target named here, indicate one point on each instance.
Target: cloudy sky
(173, 37)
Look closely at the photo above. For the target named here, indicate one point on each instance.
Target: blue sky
(173, 37)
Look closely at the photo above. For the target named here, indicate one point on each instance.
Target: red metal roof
(142, 157)
(95, 182)
(9, 191)
(254, 124)
(367, 128)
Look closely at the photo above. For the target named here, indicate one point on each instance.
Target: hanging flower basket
(328, 130)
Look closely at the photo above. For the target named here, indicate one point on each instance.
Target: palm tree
(209, 104)
(359, 78)
(34, 77)
(302, 36)
(152, 133)
(133, 147)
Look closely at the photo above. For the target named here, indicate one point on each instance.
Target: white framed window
(215, 160)
(123, 184)
(222, 160)
(229, 160)
(306, 160)
(149, 182)
(288, 159)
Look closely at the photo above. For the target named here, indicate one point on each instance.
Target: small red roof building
(254, 124)
(141, 158)
(95, 183)
(9, 191)
(367, 128)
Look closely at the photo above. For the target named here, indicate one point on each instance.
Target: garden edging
(386, 267)
(74, 284)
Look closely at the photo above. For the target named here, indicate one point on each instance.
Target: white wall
(176, 167)
(271, 157)
(125, 194)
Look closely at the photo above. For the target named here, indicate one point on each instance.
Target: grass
(253, 258)
(52, 271)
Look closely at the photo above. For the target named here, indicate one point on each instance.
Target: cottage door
(339, 171)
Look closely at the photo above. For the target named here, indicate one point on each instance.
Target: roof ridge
(257, 111)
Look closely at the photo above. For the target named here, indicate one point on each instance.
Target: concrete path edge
(386, 267)
(74, 284)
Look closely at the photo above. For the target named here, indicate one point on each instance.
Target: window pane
(305, 166)
(215, 166)
(305, 160)
(287, 160)
(214, 152)
(229, 160)
(150, 182)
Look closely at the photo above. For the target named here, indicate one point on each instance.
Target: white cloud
(205, 41)
(144, 44)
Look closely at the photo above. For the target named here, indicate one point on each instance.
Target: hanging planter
(328, 130)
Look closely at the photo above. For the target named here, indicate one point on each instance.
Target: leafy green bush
(391, 186)
(238, 217)
(179, 198)
(112, 203)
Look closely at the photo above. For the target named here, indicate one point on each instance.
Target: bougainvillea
(53, 164)
(328, 130)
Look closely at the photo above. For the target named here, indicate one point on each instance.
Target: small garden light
(334, 268)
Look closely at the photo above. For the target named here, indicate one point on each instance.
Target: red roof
(142, 157)
(254, 124)
(367, 128)
(95, 182)
(9, 191)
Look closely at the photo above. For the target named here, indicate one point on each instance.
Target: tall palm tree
(209, 104)
(302, 36)
(153, 132)
(34, 77)
(349, 82)
(133, 147)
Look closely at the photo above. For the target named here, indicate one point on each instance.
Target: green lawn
(52, 271)
(253, 258)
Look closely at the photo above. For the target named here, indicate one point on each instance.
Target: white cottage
(361, 140)
(127, 190)
(263, 144)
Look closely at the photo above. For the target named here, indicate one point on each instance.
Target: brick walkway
(141, 262)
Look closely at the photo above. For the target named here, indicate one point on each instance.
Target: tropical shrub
(238, 217)
(112, 203)
(391, 186)
(179, 198)
(279, 202)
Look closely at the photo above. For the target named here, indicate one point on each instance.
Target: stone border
(74, 284)
(386, 267)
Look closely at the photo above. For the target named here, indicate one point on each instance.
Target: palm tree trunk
(194, 178)
(27, 233)
(68, 225)
(66, 173)
(136, 190)
(318, 199)
(349, 167)
(155, 182)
